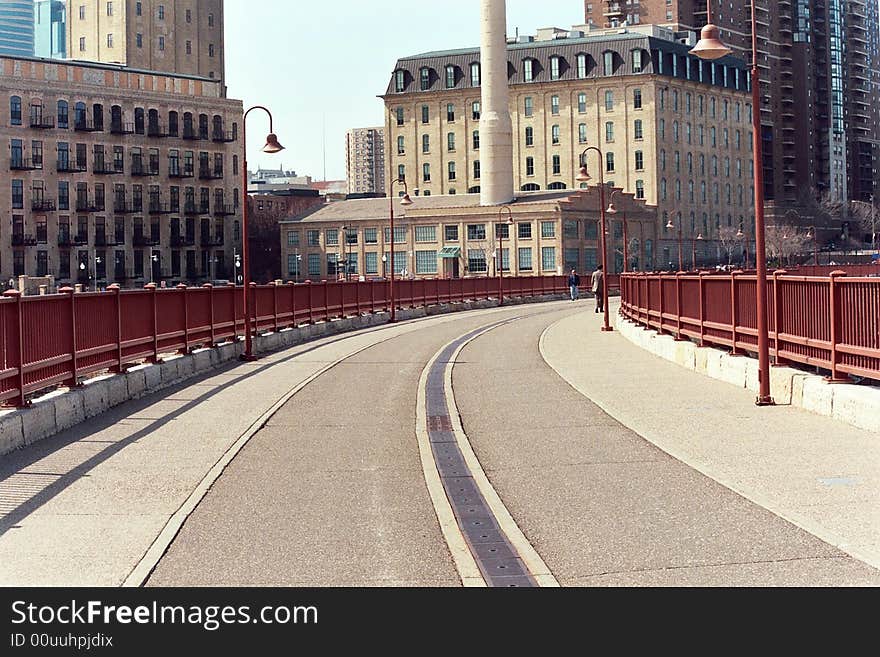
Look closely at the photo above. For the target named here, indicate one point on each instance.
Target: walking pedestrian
(574, 282)
(598, 287)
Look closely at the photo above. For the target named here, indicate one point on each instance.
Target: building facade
(50, 29)
(672, 130)
(365, 160)
(455, 237)
(179, 36)
(117, 175)
(17, 28)
(819, 66)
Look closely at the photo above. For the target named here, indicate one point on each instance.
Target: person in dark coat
(598, 287)
(574, 282)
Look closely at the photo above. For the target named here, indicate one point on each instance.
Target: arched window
(173, 127)
(115, 118)
(188, 129)
(556, 185)
(79, 116)
(15, 110)
(530, 187)
(217, 125)
(139, 120)
(153, 122)
(203, 126)
(63, 114)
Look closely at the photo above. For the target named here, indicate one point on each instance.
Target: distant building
(185, 36)
(269, 181)
(17, 28)
(365, 160)
(50, 29)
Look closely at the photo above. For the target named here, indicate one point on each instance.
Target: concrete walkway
(819, 473)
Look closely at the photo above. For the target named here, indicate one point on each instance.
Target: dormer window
(450, 76)
(475, 74)
(528, 70)
(608, 62)
(554, 68)
(424, 78)
(399, 81)
(582, 66)
(637, 63)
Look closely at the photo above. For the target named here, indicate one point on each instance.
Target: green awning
(450, 252)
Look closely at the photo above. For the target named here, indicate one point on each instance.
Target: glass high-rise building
(50, 29)
(17, 28)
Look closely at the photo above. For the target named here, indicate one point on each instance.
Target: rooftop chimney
(496, 128)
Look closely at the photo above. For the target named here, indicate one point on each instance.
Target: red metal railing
(831, 322)
(55, 340)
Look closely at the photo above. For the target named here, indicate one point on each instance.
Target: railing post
(293, 322)
(155, 357)
(678, 337)
(357, 297)
(311, 312)
(326, 285)
(252, 310)
(660, 327)
(114, 288)
(19, 400)
(836, 309)
(73, 360)
(182, 288)
(275, 305)
(210, 289)
(702, 310)
(777, 307)
(733, 308)
(234, 310)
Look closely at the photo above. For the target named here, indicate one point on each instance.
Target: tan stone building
(673, 130)
(365, 160)
(456, 237)
(117, 175)
(174, 36)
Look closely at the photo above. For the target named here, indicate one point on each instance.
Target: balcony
(121, 207)
(104, 240)
(19, 239)
(42, 205)
(24, 164)
(191, 135)
(106, 170)
(85, 124)
(145, 240)
(192, 208)
(156, 130)
(223, 137)
(70, 167)
(89, 205)
(119, 128)
(224, 210)
(180, 240)
(158, 207)
(213, 241)
(138, 169)
(42, 122)
(181, 173)
(206, 173)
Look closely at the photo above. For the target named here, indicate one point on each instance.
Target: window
(331, 237)
(426, 115)
(210, 20)
(18, 194)
(189, 48)
(475, 74)
(530, 136)
(450, 170)
(371, 262)
(528, 70)
(450, 142)
(609, 100)
(450, 233)
(476, 169)
(609, 131)
(161, 12)
(450, 76)
(524, 231)
(675, 100)
(582, 66)
(548, 258)
(640, 189)
(554, 134)
(399, 115)
(399, 81)
(640, 161)
(161, 43)
(557, 165)
(582, 103)
(609, 162)
(554, 68)
(426, 172)
(637, 61)
(476, 261)
(548, 229)
(424, 78)
(450, 112)
(189, 17)
(210, 50)
(399, 234)
(637, 129)
(426, 144)
(608, 63)
(476, 232)
(63, 117)
(525, 258)
(475, 110)
(82, 44)
(109, 40)
(530, 166)
(82, 12)
(554, 105)
(15, 110)
(370, 236)
(293, 264)
(582, 133)
(426, 262)
(314, 264)
(528, 106)
(401, 171)
(139, 40)
(687, 102)
(476, 139)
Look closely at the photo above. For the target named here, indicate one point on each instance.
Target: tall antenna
(324, 142)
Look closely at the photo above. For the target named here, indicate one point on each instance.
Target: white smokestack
(496, 128)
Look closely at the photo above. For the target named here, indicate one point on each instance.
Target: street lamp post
(405, 201)
(500, 259)
(711, 47)
(272, 146)
(812, 234)
(698, 238)
(670, 226)
(612, 210)
(584, 176)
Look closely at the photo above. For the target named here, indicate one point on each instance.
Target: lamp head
(739, 232)
(611, 209)
(272, 145)
(700, 236)
(583, 176)
(670, 225)
(710, 45)
(406, 200)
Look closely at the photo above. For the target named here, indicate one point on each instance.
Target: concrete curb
(856, 405)
(65, 408)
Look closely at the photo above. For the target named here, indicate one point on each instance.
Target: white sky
(324, 63)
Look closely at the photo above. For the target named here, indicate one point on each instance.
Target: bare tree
(486, 246)
(784, 241)
(729, 238)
